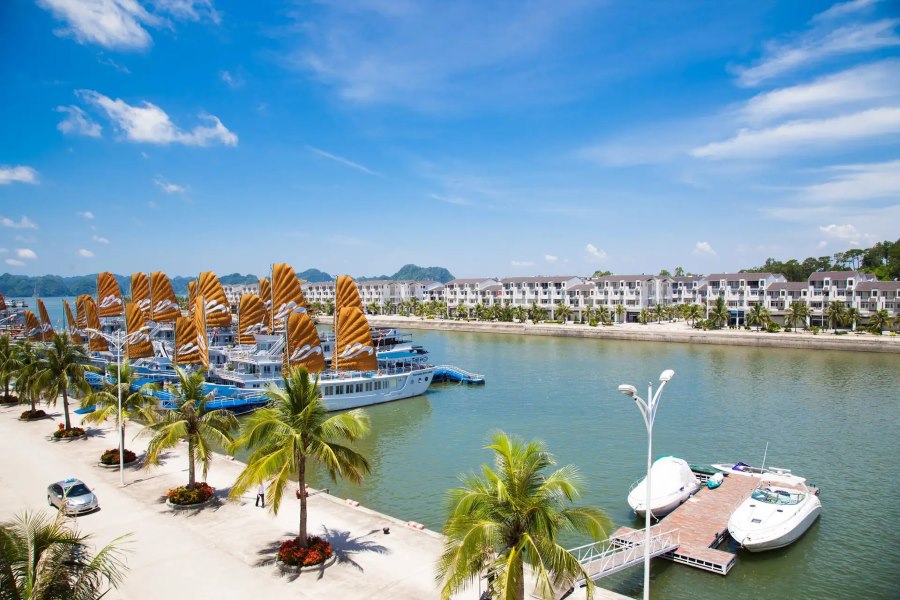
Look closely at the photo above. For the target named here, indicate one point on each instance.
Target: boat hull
(783, 533)
(408, 385)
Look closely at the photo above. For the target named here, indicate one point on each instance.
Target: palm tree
(853, 317)
(63, 367)
(462, 310)
(28, 363)
(389, 307)
(372, 308)
(563, 312)
(759, 316)
(692, 312)
(659, 311)
(106, 401)
(644, 316)
(836, 313)
(292, 430)
(203, 430)
(520, 314)
(620, 312)
(42, 558)
(879, 321)
(796, 314)
(719, 313)
(512, 515)
(602, 313)
(9, 365)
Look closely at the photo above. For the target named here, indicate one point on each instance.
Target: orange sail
(73, 326)
(140, 293)
(109, 297)
(346, 294)
(33, 329)
(192, 295)
(303, 344)
(2, 302)
(165, 306)
(354, 349)
(200, 325)
(251, 319)
(265, 294)
(139, 345)
(46, 324)
(218, 313)
(287, 297)
(95, 342)
(187, 352)
(80, 314)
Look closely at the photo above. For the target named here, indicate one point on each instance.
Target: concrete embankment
(678, 332)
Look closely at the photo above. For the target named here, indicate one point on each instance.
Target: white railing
(610, 556)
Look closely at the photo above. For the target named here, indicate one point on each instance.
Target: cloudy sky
(492, 138)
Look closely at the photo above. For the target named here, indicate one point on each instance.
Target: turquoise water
(828, 416)
(54, 306)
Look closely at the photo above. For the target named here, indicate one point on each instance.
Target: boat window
(359, 388)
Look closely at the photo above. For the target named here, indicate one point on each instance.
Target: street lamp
(119, 340)
(648, 411)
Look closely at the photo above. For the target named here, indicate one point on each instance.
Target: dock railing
(600, 559)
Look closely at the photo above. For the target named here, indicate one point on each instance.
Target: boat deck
(702, 522)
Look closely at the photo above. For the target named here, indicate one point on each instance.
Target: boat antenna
(766, 453)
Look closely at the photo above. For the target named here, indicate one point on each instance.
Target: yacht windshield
(770, 496)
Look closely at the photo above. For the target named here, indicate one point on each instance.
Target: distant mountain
(416, 273)
(315, 276)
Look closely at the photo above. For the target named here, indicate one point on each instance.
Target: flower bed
(32, 415)
(111, 457)
(10, 400)
(188, 495)
(293, 555)
(67, 434)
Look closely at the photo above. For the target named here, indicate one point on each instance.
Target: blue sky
(492, 138)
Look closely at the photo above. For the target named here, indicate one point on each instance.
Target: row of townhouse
(378, 291)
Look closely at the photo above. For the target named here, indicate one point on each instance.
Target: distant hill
(416, 273)
(315, 276)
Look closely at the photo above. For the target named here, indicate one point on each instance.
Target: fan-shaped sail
(109, 297)
(46, 324)
(95, 342)
(80, 314)
(265, 294)
(73, 325)
(140, 293)
(187, 352)
(218, 313)
(287, 297)
(346, 294)
(165, 306)
(2, 303)
(33, 329)
(139, 345)
(354, 349)
(251, 319)
(192, 295)
(200, 325)
(303, 345)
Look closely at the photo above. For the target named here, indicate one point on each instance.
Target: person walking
(261, 495)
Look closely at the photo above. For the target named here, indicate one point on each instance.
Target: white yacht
(672, 482)
(775, 515)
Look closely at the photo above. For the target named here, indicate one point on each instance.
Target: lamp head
(666, 375)
(628, 390)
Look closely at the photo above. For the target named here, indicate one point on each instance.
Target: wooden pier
(702, 522)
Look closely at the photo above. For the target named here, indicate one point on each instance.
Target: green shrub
(30, 415)
(72, 432)
(815, 329)
(190, 494)
(111, 457)
(773, 328)
(593, 322)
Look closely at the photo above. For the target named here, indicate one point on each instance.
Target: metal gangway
(611, 556)
(451, 373)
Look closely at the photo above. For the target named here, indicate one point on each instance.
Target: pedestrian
(261, 495)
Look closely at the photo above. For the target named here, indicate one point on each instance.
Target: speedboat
(672, 482)
(774, 516)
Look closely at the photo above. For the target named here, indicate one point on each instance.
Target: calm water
(54, 306)
(829, 416)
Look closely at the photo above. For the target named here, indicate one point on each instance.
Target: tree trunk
(301, 481)
(65, 396)
(191, 475)
(6, 389)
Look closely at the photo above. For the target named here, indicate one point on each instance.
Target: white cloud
(344, 161)
(817, 45)
(451, 199)
(879, 80)
(809, 134)
(521, 263)
(77, 122)
(704, 249)
(26, 253)
(842, 232)
(17, 174)
(85, 214)
(152, 204)
(14, 263)
(550, 258)
(150, 124)
(189, 10)
(857, 183)
(111, 63)
(595, 253)
(169, 188)
(232, 81)
(84, 253)
(843, 9)
(4, 250)
(821, 244)
(23, 223)
(100, 240)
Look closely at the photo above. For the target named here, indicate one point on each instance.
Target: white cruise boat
(774, 516)
(672, 482)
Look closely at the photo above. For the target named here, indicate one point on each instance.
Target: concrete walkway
(224, 550)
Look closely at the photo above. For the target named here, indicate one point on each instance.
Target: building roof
(688, 278)
(881, 286)
(789, 286)
(641, 277)
(821, 275)
(583, 287)
(491, 287)
(467, 281)
(539, 279)
(745, 276)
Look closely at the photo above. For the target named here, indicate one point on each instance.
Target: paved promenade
(222, 551)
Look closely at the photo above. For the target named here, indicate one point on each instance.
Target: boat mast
(334, 348)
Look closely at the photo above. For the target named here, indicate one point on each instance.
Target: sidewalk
(224, 550)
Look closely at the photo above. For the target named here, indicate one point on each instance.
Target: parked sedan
(72, 496)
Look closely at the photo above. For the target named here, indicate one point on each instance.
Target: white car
(72, 497)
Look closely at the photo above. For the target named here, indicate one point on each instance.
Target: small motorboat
(774, 516)
(671, 483)
(715, 480)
